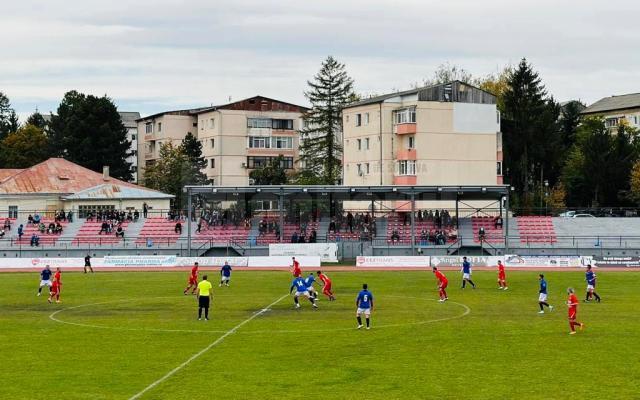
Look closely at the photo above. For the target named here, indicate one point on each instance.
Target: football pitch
(119, 335)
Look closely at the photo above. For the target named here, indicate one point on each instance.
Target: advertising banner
(392, 262)
(544, 261)
(456, 261)
(282, 262)
(616, 261)
(328, 252)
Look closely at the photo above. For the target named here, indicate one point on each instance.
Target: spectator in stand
(199, 226)
(20, 231)
(30, 219)
(301, 238)
(395, 236)
(497, 222)
(41, 227)
(136, 216)
(36, 218)
(51, 229)
(405, 219)
(294, 237)
(178, 228)
(350, 221)
(120, 231)
(7, 225)
(129, 216)
(70, 216)
(424, 238)
(58, 228)
(35, 240)
(314, 236)
(453, 234)
(104, 228)
(145, 209)
(332, 226)
(481, 234)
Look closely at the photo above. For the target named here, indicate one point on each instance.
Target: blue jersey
(365, 298)
(309, 281)
(543, 286)
(466, 267)
(46, 274)
(300, 285)
(226, 270)
(591, 277)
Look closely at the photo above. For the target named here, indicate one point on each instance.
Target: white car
(582, 216)
(567, 214)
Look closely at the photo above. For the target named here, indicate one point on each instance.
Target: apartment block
(447, 134)
(129, 120)
(236, 138)
(616, 110)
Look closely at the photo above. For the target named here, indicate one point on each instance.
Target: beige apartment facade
(236, 138)
(616, 110)
(444, 135)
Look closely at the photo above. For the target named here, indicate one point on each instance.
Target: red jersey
(572, 302)
(501, 269)
(194, 272)
(325, 279)
(57, 277)
(441, 277)
(296, 268)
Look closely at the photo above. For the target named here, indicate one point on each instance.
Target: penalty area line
(209, 347)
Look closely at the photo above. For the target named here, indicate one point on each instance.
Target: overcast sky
(151, 56)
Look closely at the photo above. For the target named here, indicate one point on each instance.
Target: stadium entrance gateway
(338, 204)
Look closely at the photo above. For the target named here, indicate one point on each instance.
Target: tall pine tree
(8, 117)
(192, 149)
(321, 147)
(88, 131)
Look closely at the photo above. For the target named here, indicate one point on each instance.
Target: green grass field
(124, 331)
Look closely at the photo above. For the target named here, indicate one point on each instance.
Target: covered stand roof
(351, 193)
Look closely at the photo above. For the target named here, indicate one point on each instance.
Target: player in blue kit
(301, 290)
(312, 291)
(466, 273)
(364, 305)
(542, 295)
(45, 279)
(590, 277)
(225, 274)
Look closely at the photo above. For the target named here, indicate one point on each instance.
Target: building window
(346, 118)
(358, 119)
(258, 123)
(254, 162)
(213, 143)
(148, 128)
(635, 119)
(359, 144)
(282, 142)
(405, 116)
(366, 119)
(195, 124)
(212, 123)
(497, 116)
(201, 124)
(611, 122)
(83, 210)
(213, 163)
(366, 168)
(258, 142)
(282, 124)
(411, 142)
(366, 144)
(13, 212)
(159, 126)
(266, 205)
(406, 167)
(359, 169)
(499, 171)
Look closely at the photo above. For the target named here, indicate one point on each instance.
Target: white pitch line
(201, 352)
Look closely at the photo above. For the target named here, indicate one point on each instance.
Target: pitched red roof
(6, 173)
(56, 175)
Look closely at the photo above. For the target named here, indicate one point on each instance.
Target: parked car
(567, 214)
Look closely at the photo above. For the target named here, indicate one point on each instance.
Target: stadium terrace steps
(396, 222)
(536, 229)
(30, 229)
(222, 234)
(597, 232)
(492, 234)
(89, 233)
(160, 230)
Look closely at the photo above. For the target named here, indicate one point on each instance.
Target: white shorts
(542, 297)
(225, 278)
(311, 289)
(365, 311)
(46, 283)
(305, 293)
(590, 287)
(466, 276)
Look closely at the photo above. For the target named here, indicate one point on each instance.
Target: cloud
(155, 55)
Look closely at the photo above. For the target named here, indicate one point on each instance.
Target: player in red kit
(572, 303)
(56, 288)
(326, 286)
(502, 282)
(442, 284)
(297, 272)
(193, 280)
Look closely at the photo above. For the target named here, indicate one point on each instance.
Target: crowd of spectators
(221, 218)
(362, 224)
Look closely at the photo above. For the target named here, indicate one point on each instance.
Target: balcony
(406, 154)
(405, 180)
(149, 156)
(405, 129)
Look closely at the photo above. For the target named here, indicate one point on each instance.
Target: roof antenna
(229, 99)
